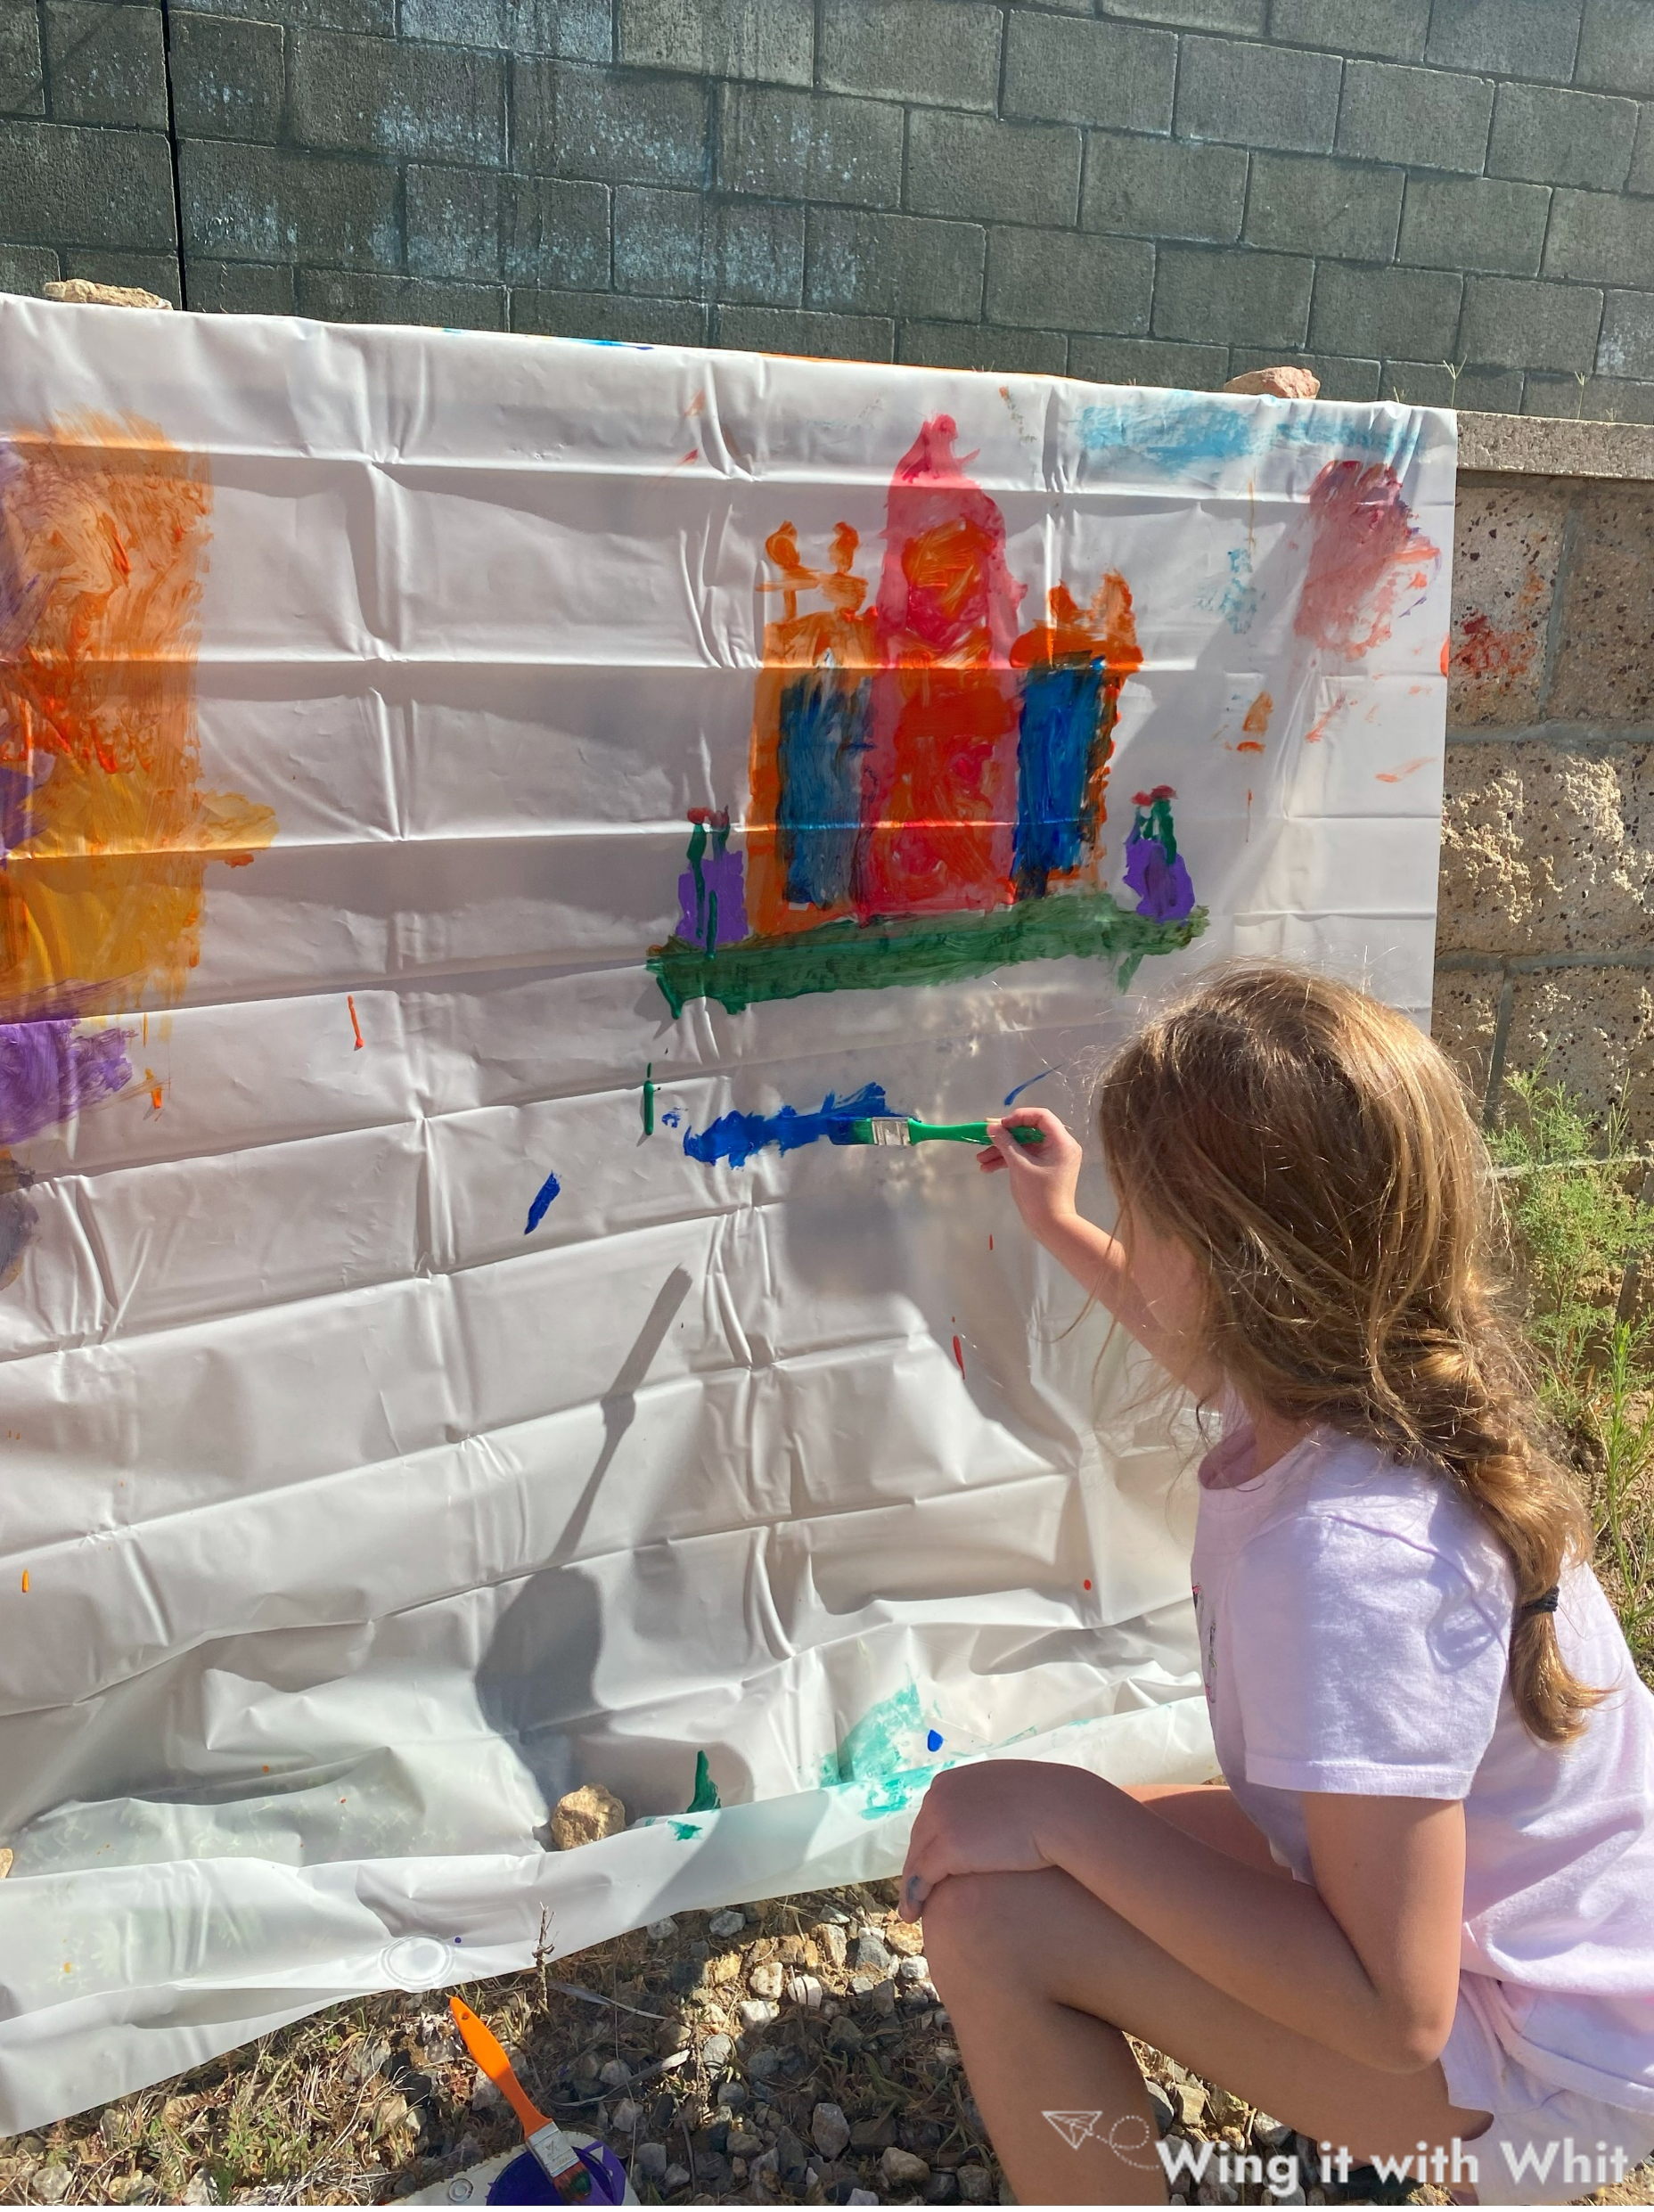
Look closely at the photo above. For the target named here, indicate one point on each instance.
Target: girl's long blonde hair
(1316, 1154)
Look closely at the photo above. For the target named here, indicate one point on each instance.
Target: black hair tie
(1546, 1602)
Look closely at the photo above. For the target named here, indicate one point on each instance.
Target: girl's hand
(1044, 1177)
(991, 1819)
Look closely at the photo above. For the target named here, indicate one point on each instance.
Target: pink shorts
(1546, 2145)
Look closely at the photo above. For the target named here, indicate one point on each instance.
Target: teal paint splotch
(1189, 433)
(706, 1798)
(881, 1754)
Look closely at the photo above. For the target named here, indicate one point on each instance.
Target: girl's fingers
(990, 1163)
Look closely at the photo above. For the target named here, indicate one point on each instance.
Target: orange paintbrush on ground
(576, 2175)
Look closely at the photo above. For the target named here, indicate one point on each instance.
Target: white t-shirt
(1355, 1619)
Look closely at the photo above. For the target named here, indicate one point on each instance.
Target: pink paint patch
(1366, 552)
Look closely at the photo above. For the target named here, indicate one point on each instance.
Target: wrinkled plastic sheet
(348, 1522)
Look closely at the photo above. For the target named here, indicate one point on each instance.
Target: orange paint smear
(104, 537)
(25, 1582)
(356, 1024)
(1314, 735)
(1248, 745)
(1365, 554)
(1257, 716)
(1409, 767)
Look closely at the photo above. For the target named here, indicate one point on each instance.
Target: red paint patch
(1484, 650)
(356, 1024)
(1366, 552)
(1250, 745)
(1087, 1584)
(990, 1244)
(958, 1354)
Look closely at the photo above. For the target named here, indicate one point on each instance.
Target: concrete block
(1240, 298)
(1642, 177)
(670, 242)
(1298, 204)
(555, 232)
(106, 62)
(1600, 237)
(1392, 31)
(1104, 73)
(1414, 312)
(1627, 345)
(609, 316)
(967, 166)
(858, 262)
(373, 18)
(27, 268)
(453, 222)
(980, 346)
(1509, 37)
(1557, 398)
(1561, 137)
(1603, 671)
(240, 288)
(795, 145)
(580, 30)
(768, 41)
(1463, 1020)
(1341, 376)
(1616, 47)
(229, 78)
(1511, 323)
(1149, 361)
(1039, 278)
(1244, 16)
(618, 124)
(23, 70)
(1163, 188)
(1424, 116)
(1274, 96)
(1507, 544)
(782, 329)
(351, 296)
(1617, 399)
(1443, 384)
(69, 186)
(156, 273)
(1593, 1031)
(942, 55)
(1474, 223)
(382, 96)
(276, 204)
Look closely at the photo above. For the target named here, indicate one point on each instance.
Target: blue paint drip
(735, 1137)
(1184, 432)
(542, 1197)
(1029, 1084)
(933, 1741)
(1061, 708)
(818, 813)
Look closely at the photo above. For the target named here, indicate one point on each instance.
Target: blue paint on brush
(818, 758)
(1028, 1085)
(1062, 710)
(734, 1138)
(542, 1197)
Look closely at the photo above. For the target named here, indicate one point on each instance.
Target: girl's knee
(983, 1920)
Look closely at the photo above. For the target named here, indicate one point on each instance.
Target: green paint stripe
(845, 956)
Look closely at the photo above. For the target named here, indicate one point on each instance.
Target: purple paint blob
(1164, 891)
(720, 881)
(49, 1071)
(734, 1138)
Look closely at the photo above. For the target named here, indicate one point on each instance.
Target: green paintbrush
(891, 1129)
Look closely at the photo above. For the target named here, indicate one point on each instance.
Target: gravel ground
(794, 2052)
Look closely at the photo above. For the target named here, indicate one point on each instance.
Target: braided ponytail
(1316, 1154)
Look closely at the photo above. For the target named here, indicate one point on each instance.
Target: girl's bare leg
(1041, 1978)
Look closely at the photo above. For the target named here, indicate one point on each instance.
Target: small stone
(741, 2143)
(133, 2188)
(626, 2117)
(729, 1922)
(198, 2190)
(1288, 2196)
(844, 2034)
(1189, 2099)
(757, 2011)
(903, 2169)
(975, 2184)
(615, 2074)
(715, 2053)
(1316, 2196)
(389, 2112)
(586, 1815)
(830, 1938)
(806, 1990)
(870, 1953)
(80, 292)
(731, 2096)
(1283, 383)
(674, 2178)
(485, 2097)
(881, 1998)
(650, 2159)
(661, 1931)
(861, 2196)
(763, 2064)
(765, 1980)
(914, 1968)
(1160, 2105)
(1269, 2134)
(1226, 2110)
(766, 2162)
(829, 2131)
(940, 2189)
(790, 2153)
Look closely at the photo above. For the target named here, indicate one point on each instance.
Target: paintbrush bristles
(882, 1130)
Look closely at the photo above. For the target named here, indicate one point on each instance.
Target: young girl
(1418, 1919)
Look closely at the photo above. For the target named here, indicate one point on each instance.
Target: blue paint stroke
(933, 1741)
(734, 1138)
(818, 761)
(1056, 736)
(1189, 432)
(1235, 598)
(542, 1197)
(1029, 1084)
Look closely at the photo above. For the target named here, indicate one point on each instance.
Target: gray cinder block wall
(1439, 199)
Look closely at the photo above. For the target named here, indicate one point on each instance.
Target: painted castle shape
(928, 780)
